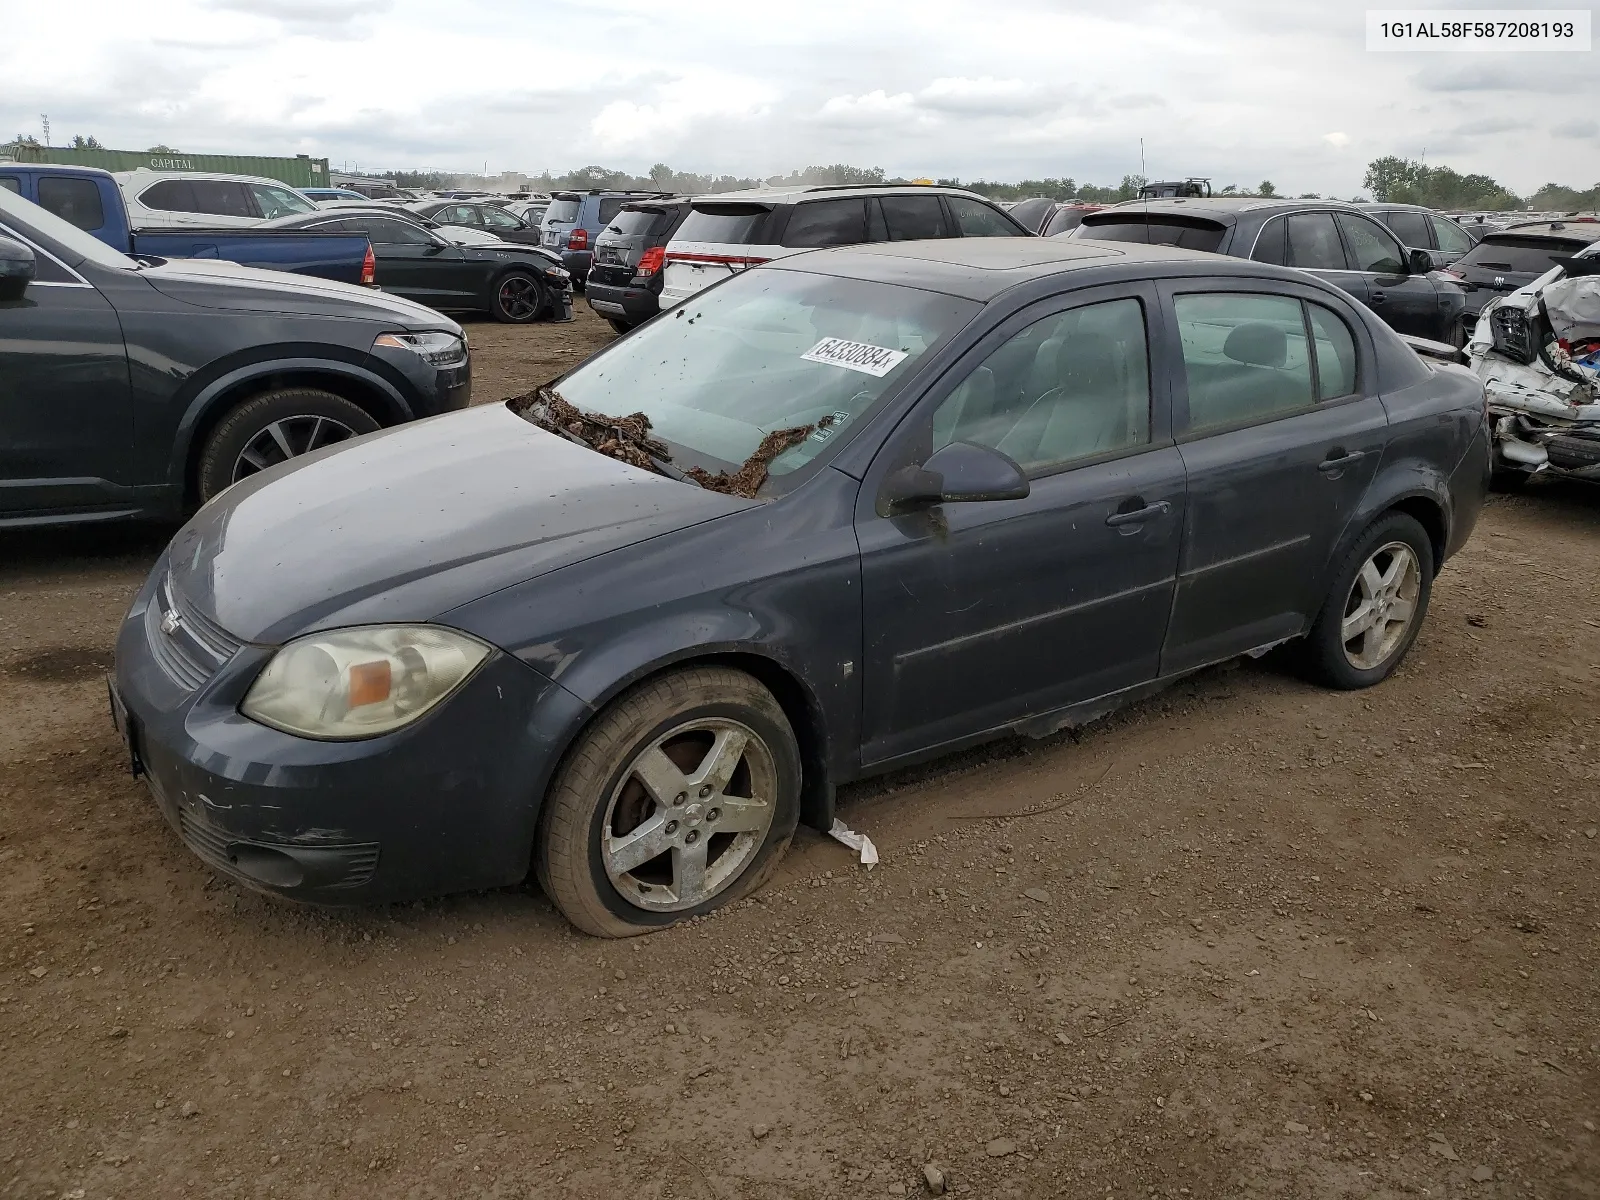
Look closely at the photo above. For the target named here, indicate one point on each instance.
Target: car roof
(791, 195)
(1396, 206)
(1225, 210)
(981, 268)
(55, 168)
(1573, 231)
(145, 175)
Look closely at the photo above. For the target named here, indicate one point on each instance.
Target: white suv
(185, 199)
(729, 231)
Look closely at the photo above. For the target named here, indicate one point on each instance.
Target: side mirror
(1419, 261)
(436, 248)
(16, 269)
(959, 473)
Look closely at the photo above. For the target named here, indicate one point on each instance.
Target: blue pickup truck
(90, 199)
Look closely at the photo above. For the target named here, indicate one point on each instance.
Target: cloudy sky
(1238, 90)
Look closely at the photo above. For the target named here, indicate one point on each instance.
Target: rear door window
(1158, 229)
(1314, 243)
(170, 195)
(494, 218)
(74, 200)
(976, 219)
(383, 231)
(724, 224)
(1372, 247)
(913, 218)
(221, 198)
(1410, 227)
(1245, 356)
(827, 223)
(11, 184)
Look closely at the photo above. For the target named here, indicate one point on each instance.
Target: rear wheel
(681, 797)
(273, 428)
(518, 298)
(1376, 606)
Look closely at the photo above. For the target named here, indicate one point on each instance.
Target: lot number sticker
(877, 361)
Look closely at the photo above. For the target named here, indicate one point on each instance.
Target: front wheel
(681, 797)
(518, 298)
(273, 428)
(619, 327)
(1375, 608)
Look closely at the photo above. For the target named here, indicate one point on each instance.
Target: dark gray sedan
(892, 500)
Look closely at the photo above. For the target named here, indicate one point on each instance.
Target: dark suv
(574, 220)
(1516, 256)
(136, 390)
(625, 278)
(1336, 242)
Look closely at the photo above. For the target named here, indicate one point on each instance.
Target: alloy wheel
(519, 298)
(288, 438)
(1381, 605)
(689, 814)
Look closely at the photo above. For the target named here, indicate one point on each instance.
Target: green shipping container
(299, 171)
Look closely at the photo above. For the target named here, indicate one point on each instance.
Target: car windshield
(766, 351)
(74, 244)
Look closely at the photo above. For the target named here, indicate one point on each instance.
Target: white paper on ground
(856, 841)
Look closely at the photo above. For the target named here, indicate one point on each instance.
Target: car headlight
(558, 273)
(440, 349)
(360, 682)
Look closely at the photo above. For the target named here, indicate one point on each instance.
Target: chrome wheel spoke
(721, 761)
(1370, 580)
(254, 459)
(660, 776)
(1358, 622)
(1382, 605)
(689, 872)
(1401, 611)
(632, 850)
(736, 814)
(281, 436)
(316, 432)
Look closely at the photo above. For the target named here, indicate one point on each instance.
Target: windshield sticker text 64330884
(856, 356)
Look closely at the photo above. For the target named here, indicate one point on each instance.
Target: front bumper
(447, 804)
(430, 390)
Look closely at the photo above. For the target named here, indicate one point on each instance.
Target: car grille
(196, 646)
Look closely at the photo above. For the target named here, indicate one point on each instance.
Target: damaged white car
(1537, 351)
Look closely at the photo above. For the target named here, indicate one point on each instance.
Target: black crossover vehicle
(1422, 229)
(135, 389)
(1334, 241)
(624, 283)
(1514, 257)
(478, 214)
(891, 500)
(511, 283)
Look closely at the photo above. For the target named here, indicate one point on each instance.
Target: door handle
(1159, 508)
(1335, 463)
(1376, 298)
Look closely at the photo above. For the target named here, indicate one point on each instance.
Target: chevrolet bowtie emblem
(170, 624)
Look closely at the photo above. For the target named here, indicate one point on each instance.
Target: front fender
(204, 402)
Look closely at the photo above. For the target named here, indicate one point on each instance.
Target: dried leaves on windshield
(627, 439)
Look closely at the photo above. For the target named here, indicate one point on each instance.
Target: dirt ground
(1254, 939)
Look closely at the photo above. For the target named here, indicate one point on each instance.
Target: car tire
(518, 298)
(620, 327)
(1361, 635)
(272, 428)
(600, 816)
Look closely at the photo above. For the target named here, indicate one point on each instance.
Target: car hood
(216, 283)
(407, 523)
(493, 251)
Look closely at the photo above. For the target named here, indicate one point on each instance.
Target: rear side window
(827, 223)
(170, 195)
(610, 206)
(913, 218)
(1065, 220)
(1499, 252)
(976, 219)
(11, 184)
(724, 224)
(1336, 353)
(1410, 227)
(73, 200)
(1314, 243)
(1269, 245)
(1159, 229)
(1245, 357)
(562, 210)
(1451, 239)
(1372, 248)
(221, 198)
